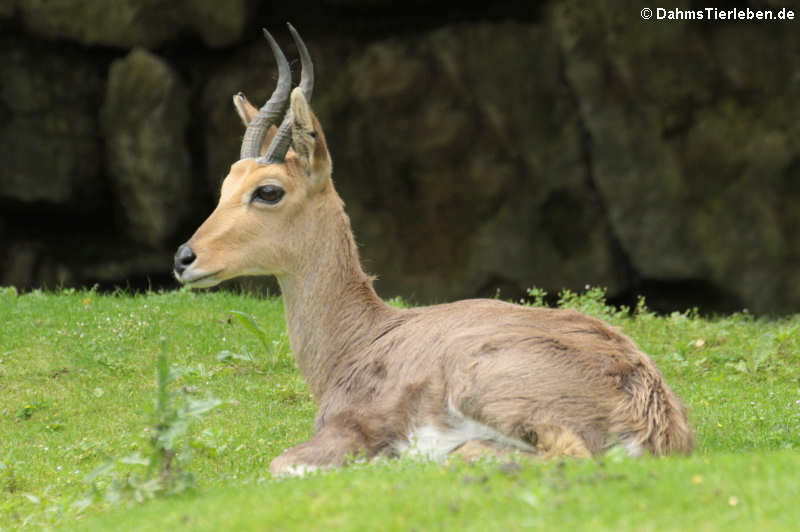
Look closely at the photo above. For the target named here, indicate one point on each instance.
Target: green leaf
(135, 459)
(250, 324)
(227, 356)
(198, 407)
(81, 504)
(101, 470)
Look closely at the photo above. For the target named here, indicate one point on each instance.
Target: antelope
(472, 377)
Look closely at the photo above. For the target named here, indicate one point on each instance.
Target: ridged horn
(276, 152)
(271, 111)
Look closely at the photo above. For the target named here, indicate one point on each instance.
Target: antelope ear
(308, 140)
(244, 108)
(246, 112)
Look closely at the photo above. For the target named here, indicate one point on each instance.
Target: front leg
(330, 447)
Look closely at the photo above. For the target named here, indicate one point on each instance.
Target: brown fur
(562, 382)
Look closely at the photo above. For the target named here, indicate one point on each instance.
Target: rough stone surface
(577, 145)
(145, 115)
(694, 146)
(128, 23)
(463, 169)
(6, 8)
(50, 146)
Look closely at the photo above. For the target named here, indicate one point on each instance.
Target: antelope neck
(331, 307)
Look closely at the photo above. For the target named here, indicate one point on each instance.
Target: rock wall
(477, 151)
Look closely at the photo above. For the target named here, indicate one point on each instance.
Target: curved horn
(276, 152)
(269, 113)
(307, 72)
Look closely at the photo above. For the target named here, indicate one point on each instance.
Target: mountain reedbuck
(471, 376)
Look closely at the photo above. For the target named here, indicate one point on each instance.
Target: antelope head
(269, 211)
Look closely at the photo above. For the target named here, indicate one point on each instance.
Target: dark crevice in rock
(626, 274)
(150, 282)
(566, 222)
(665, 296)
(44, 218)
(198, 193)
(501, 288)
(381, 19)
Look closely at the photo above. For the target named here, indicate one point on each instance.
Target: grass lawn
(78, 391)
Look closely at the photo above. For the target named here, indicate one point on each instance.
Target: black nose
(183, 258)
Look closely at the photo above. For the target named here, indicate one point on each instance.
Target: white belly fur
(435, 443)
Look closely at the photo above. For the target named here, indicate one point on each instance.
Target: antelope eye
(269, 194)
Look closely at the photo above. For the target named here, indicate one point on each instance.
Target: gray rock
(145, 115)
(128, 23)
(250, 70)
(635, 169)
(7, 8)
(586, 147)
(460, 158)
(694, 148)
(49, 141)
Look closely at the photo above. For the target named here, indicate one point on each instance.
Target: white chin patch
(203, 283)
(194, 279)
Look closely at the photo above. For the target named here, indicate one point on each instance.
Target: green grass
(78, 388)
